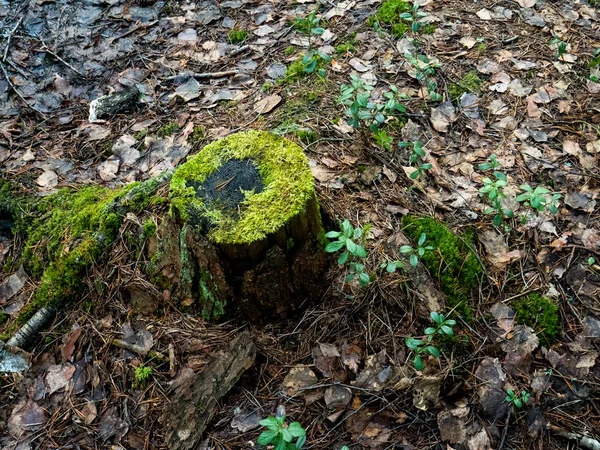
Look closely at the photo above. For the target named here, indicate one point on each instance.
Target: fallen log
(194, 402)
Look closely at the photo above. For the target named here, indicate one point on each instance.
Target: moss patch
(237, 36)
(388, 15)
(469, 83)
(541, 314)
(452, 262)
(286, 176)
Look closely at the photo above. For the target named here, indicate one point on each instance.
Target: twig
(9, 38)
(205, 75)
(583, 441)
(16, 91)
(237, 51)
(142, 351)
(505, 429)
(45, 49)
(133, 30)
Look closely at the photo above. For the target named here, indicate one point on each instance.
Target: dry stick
(127, 33)
(24, 336)
(237, 51)
(505, 429)
(50, 52)
(9, 38)
(142, 351)
(205, 75)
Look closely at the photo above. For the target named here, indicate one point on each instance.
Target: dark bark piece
(109, 105)
(194, 403)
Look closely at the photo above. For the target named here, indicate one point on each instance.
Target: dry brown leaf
(267, 104)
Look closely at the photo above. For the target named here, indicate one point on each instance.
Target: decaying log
(194, 402)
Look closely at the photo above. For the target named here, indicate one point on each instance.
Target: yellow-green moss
(541, 314)
(469, 83)
(236, 36)
(284, 170)
(451, 262)
(388, 15)
(167, 130)
(428, 29)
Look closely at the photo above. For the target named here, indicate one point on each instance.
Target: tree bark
(194, 403)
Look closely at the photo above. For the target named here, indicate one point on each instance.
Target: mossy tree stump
(239, 228)
(244, 228)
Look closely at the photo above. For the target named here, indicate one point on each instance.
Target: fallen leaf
(48, 179)
(267, 104)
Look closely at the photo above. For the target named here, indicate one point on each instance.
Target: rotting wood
(194, 402)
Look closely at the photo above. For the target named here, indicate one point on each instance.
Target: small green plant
(425, 73)
(392, 266)
(539, 198)
(282, 435)
(383, 139)
(469, 83)
(421, 347)
(289, 51)
(492, 163)
(236, 36)
(517, 400)
(312, 59)
(493, 191)
(352, 252)
(345, 48)
(309, 25)
(141, 376)
(417, 153)
(418, 252)
(591, 261)
(561, 46)
(413, 17)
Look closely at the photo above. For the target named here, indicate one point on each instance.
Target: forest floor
(513, 79)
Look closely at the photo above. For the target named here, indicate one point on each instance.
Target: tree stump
(239, 228)
(248, 229)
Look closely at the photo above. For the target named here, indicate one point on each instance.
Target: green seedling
(417, 153)
(414, 17)
(517, 400)
(425, 73)
(591, 261)
(313, 58)
(281, 435)
(539, 198)
(392, 266)
(418, 252)
(309, 25)
(493, 190)
(492, 163)
(352, 252)
(356, 98)
(421, 347)
(561, 46)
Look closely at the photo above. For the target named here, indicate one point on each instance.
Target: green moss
(142, 375)
(452, 262)
(198, 135)
(481, 48)
(389, 12)
(594, 62)
(400, 29)
(306, 136)
(149, 228)
(345, 48)
(428, 29)
(140, 135)
(167, 130)
(469, 83)
(541, 314)
(287, 179)
(236, 36)
(289, 51)
(3, 317)
(294, 72)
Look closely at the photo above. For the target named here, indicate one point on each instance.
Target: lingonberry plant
(352, 253)
(425, 346)
(416, 252)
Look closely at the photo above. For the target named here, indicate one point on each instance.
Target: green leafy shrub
(237, 36)
(453, 263)
(541, 314)
(281, 435)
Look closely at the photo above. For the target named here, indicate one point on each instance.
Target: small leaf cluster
(281, 435)
(141, 376)
(539, 198)
(417, 153)
(346, 240)
(312, 59)
(512, 398)
(561, 46)
(416, 252)
(414, 17)
(425, 73)
(361, 110)
(420, 347)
